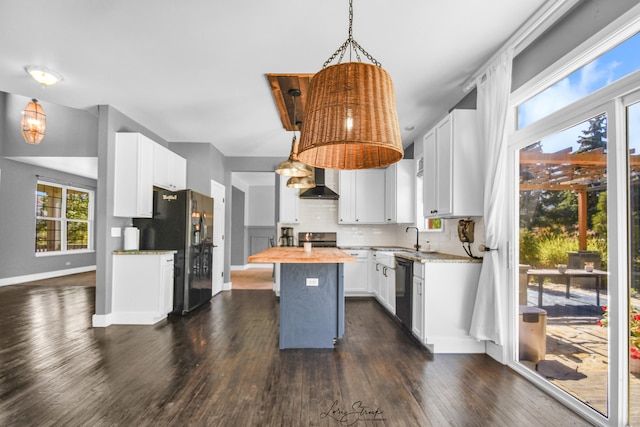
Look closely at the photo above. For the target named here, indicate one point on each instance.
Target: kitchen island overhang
(311, 294)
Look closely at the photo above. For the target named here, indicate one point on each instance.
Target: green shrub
(528, 248)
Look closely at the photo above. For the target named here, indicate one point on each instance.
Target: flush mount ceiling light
(43, 75)
(350, 119)
(34, 122)
(292, 166)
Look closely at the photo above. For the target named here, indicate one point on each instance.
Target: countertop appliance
(318, 240)
(183, 221)
(404, 291)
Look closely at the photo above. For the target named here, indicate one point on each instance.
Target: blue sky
(617, 63)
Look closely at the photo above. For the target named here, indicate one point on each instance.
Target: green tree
(595, 136)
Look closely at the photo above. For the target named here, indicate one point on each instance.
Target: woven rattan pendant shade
(350, 120)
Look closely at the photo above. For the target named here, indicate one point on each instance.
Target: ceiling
(196, 70)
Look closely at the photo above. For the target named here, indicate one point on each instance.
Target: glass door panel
(563, 261)
(633, 138)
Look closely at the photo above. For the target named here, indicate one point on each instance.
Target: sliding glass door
(563, 260)
(633, 161)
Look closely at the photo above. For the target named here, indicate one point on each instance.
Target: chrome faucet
(417, 245)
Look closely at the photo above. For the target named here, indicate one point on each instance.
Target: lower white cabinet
(448, 297)
(384, 282)
(417, 301)
(356, 280)
(142, 287)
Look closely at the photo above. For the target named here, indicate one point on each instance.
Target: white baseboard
(226, 286)
(46, 275)
(456, 345)
(101, 320)
(496, 352)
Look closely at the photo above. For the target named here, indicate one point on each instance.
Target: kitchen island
(311, 294)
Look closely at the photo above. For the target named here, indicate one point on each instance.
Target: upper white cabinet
(347, 200)
(453, 180)
(400, 184)
(140, 164)
(289, 202)
(362, 197)
(169, 169)
(133, 181)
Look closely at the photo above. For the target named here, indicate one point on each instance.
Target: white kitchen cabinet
(448, 297)
(385, 280)
(347, 200)
(289, 202)
(142, 287)
(362, 197)
(133, 176)
(356, 281)
(400, 200)
(417, 301)
(453, 180)
(389, 274)
(169, 169)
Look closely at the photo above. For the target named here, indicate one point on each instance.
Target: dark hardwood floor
(220, 366)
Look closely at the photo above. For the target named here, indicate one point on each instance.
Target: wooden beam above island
(311, 294)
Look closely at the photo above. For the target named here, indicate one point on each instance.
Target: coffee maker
(286, 236)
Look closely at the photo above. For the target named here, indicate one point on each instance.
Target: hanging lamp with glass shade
(301, 182)
(350, 117)
(34, 123)
(292, 166)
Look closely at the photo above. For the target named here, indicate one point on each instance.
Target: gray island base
(311, 295)
(311, 316)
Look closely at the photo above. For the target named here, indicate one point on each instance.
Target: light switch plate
(116, 231)
(312, 281)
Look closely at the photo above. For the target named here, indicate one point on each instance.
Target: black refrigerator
(182, 221)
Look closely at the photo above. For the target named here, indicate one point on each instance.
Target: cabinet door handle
(377, 265)
(434, 211)
(384, 271)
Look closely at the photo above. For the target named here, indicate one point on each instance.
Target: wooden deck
(220, 366)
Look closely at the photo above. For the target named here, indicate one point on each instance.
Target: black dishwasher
(404, 290)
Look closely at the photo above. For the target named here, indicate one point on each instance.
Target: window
(64, 219)
(618, 62)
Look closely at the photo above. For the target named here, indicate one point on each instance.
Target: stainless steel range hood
(320, 191)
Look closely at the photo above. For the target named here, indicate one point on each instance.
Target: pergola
(564, 170)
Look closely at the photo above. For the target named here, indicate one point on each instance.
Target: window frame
(64, 221)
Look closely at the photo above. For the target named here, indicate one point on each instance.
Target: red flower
(604, 307)
(634, 353)
(599, 322)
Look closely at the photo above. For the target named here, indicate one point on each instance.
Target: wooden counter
(292, 255)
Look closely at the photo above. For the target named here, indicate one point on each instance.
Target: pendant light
(292, 166)
(34, 123)
(301, 182)
(350, 115)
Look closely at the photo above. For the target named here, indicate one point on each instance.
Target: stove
(318, 240)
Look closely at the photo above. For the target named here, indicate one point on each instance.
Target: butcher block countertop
(293, 255)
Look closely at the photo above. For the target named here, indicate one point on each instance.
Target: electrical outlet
(312, 281)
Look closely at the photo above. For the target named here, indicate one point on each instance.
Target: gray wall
(110, 121)
(18, 182)
(585, 19)
(17, 222)
(238, 243)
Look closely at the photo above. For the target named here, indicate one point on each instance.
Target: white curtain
(493, 99)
